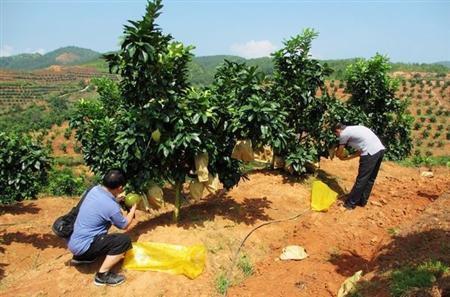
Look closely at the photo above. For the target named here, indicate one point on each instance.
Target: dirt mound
(67, 58)
(34, 262)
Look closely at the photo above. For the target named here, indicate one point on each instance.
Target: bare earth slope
(34, 262)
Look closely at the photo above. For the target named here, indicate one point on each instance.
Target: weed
(222, 283)
(392, 231)
(245, 265)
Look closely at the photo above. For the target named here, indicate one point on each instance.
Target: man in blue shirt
(89, 240)
(370, 150)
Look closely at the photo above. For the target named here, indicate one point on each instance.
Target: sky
(404, 30)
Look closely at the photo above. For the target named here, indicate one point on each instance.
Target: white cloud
(253, 49)
(33, 51)
(6, 51)
(40, 51)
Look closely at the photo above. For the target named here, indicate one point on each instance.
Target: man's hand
(342, 153)
(130, 215)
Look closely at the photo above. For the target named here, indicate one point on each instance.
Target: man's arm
(130, 216)
(340, 153)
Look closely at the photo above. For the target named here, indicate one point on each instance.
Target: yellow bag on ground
(201, 166)
(243, 151)
(322, 196)
(170, 258)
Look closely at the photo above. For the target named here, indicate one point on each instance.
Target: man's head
(337, 129)
(115, 181)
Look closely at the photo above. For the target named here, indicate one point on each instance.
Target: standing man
(370, 150)
(89, 240)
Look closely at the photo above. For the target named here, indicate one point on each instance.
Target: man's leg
(364, 172)
(110, 261)
(365, 197)
(114, 247)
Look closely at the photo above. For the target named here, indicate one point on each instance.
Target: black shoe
(349, 206)
(108, 279)
(74, 261)
(362, 204)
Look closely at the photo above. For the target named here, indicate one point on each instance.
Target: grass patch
(392, 231)
(222, 283)
(68, 161)
(245, 265)
(417, 161)
(421, 276)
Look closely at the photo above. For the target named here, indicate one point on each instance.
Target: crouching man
(89, 240)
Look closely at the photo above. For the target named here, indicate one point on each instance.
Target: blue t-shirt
(97, 212)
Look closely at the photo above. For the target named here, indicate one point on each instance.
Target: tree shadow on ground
(195, 215)
(287, 178)
(2, 270)
(40, 241)
(410, 249)
(331, 181)
(19, 208)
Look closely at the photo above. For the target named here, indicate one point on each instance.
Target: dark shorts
(106, 244)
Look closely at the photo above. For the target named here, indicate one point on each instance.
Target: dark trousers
(369, 165)
(106, 244)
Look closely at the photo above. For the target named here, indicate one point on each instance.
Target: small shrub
(63, 147)
(436, 135)
(245, 265)
(440, 143)
(419, 142)
(433, 119)
(419, 111)
(417, 125)
(440, 127)
(67, 133)
(431, 144)
(425, 134)
(64, 182)
(429, 111)
(428, 127)
(24, 165)
(422, 119)
(222, 283)
(428, 153)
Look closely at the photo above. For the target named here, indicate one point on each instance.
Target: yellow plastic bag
(170, 258)
(322, 196)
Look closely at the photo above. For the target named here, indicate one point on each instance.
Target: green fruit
(132, 199)
(156, 135)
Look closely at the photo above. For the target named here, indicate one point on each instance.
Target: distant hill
(70, 55)
(201, 69)
(444, 63)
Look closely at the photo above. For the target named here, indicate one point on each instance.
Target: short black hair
(339, 126)
(114, 178)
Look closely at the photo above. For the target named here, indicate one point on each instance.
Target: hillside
(202, 68)
(70, 55)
